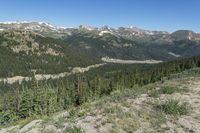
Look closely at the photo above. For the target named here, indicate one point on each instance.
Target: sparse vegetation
(73, 130)
(60, 122)
(166, 90)
(173, 107)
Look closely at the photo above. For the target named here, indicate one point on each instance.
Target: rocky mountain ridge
(129, 32)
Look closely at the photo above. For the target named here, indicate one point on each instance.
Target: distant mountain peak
(185, 35)
(88, 27)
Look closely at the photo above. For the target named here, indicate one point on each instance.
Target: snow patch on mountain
(104, 32)
(149, 32)
(173, 54)
(14, 22)
(47, 24)
(28, 25)
(89, 28)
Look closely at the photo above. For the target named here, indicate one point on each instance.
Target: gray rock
(61, 115)
(51, 128)
(30, 125)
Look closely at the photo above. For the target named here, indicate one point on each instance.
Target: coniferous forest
(42, 98)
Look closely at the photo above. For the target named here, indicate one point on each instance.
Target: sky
(166, 15)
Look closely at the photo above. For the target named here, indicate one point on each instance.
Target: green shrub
(173, 107)
(154, 93)
(167, 90)
(163, 90)
(8, 117)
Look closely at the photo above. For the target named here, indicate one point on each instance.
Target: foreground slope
(171, 105)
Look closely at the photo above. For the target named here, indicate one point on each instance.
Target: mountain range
(51, 49)
(129, 32)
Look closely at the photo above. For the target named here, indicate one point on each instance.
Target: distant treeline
(46, 97)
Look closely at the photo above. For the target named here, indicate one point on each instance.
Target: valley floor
(130, 110)
(20, 79)
(120, 61)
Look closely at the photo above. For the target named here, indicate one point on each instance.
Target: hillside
(168, 106)
(22, 52)
(139, 47)
(121, 43)
(46, 49)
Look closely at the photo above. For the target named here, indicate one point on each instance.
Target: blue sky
(167, 15)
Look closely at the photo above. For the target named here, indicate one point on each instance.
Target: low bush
(173, 107)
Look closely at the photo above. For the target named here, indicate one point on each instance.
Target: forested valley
(42, 98)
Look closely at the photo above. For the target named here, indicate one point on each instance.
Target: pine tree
(26, 108)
